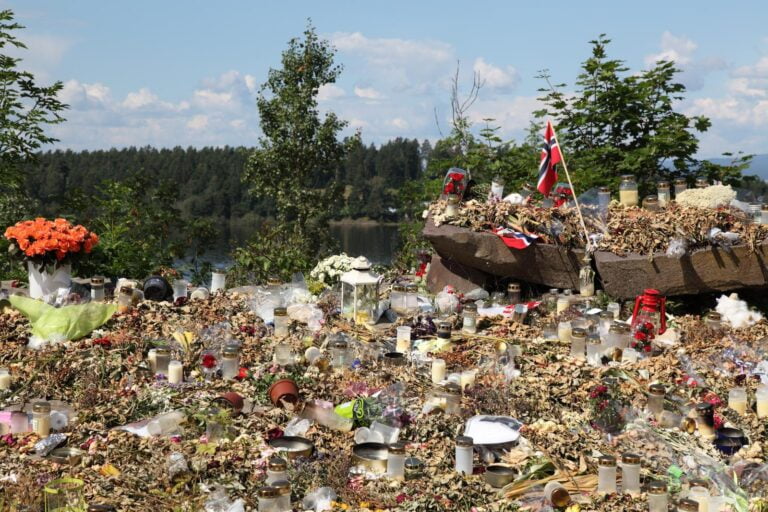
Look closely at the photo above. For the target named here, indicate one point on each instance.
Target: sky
(187, 72)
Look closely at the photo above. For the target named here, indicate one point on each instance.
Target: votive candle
(5, 379)
(737, 400)
(564, 331)
(762, 401)
(403, 339)
(438, 371)
(175, 372)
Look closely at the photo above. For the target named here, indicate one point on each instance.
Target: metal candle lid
(162, 351)
(397, 448)
(452, 388)
(606, 315)
(277, 464)
(274, 281)
(704, 409)
(283, 487)
(513, 287)
(41, 407)
(657, 487)
(680, 181)
(606, 461)
(578, 332)
(604, 190)
(281, 312)
(268, 492)
(470, 308)
(662, 184)
(687, 505)
(630, 458)
(627, 177)
(97, 281)
(465, 441)
(231, 351)
(657, 389)
(453, 199)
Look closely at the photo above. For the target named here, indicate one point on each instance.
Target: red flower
(647, 348)
(103, 342)
(400, 498)
(209, 361)
(449, 188)
(456, 176)
(713, 399)
(274, 434)
(243, 374)
(718, 421)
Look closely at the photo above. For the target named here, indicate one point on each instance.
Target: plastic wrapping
(219, 501)
(176, 465)
(319, 499)
(677, 248)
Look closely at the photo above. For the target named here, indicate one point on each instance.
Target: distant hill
(759, 166)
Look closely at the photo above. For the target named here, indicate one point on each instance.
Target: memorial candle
(438, 371)
(175, 372)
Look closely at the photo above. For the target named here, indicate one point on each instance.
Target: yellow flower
(573, 508)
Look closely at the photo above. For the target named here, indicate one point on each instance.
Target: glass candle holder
(283, 354)
(411, 298)
(563, 302)
(41, 418)
(603, 199)
(606, 475)
(578, 343)
(397, 299)
(756, 212)
(628, 195)
(218, 281)
(497, 189)
(180, 289)
(606, 320)
(764, 214)
(175, 372)
(396, 461)
(656, 395)
(5, 379)
(124, 299)
(761, 396)
(403, 344)
(630, 473)
(438, 371)
(713, 320)
(97, 289)
(469, 318)
(284, 495)
(651, 203)
(680, 186)
(230, 362)
(615, 308)
(564, 331)
(162, 360)
(662, 193)
(701, 496)
(705, 420)
(444, 330)
(339, 350)
(658, 500)
(464, 455)
(277, 469)
(737, 400)
(452, 206)
(514, 293)
(594, 351)
(281, 322)
(557, 495)
(267, 498)
(64, 494)
(453, 398)
(214, 428)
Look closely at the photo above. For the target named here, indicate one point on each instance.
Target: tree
(619, 122)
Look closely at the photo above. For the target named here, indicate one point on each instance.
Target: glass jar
(603, 198)
(41, 418)
(63, 494)
(175, 372)
(594, 350)
(761, 396)
(162, 360)
(124, 299)
(701, 496)
(469, 318)
(411, 298)
(764, 214)
(452, 206)
(396, 461)
(464, 455)
(218, 281)
(630, 473)
(713, 320)
(281, 322)
(705, 420)
(756, 212)
(680, 186)
(662, 193)
(497, 188)
(551, 300)
(656, 394)
(283, 354)
(438, 371)
(403, 341)
(701, 182)
(230, 362)
(586, 281)
(453, 398)
(180, 289)
(564, 331)
(283, 495)
(277, 469)
(578, 343)
(614, 338)
(5, 379)
(267, 497)
(628, 195)
(657, 497)
(606, 475)
(557, 495)
(606, 320)
(651, 203)
(563, 302)
(737, 400)
(414, 468)
(339, 357)
(444, 330)
(615, 308)
(97, 288)
(397, 299)
(513, 293)
(98, 507)
(687, 505)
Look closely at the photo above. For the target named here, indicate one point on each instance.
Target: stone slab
(445, 272)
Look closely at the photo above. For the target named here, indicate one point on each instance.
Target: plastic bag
(319, 499)
(677, 248)
(307, 314)
(50, 324)
(477, 294)
(219, 501)
(446, 301)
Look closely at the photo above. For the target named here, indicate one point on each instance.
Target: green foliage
(25, 108)
(622, 122)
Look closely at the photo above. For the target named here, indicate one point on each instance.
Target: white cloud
(329, 92)
(198, 122)
(399, 123)
(757, 70)
(206, 98)
(675, 48)
(748, 87)
(681, 50)
(495, 77)
(367, 93)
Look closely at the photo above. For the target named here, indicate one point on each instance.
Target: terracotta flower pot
(232, 400)
(283, 390)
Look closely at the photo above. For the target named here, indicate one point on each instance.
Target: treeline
(208, 180)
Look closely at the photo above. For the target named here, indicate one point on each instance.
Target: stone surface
(705, 270)
(445, 272)
(544, 264)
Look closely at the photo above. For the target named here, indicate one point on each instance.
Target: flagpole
(576, 200)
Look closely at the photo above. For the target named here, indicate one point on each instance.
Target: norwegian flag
(550, 156)
(515, 239)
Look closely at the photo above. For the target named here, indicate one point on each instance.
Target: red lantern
(650, 313)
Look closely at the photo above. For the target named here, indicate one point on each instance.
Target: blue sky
(174, 72)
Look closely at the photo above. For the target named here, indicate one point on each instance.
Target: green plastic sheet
(50, 323)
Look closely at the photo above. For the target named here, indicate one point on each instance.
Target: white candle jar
(464, 455)
(438, 371)
(761, 396)
(5, 379)
(175, 372)
(162, 359)
(180, 289)
(267, 499)
(606, 475)
(283, 495)
(41, 418)
(396, 461)
(97, 289)
(658, 500)
(564, 331)
(411, 298)
(497, 189)
(628, 195)
(701, 496)
(403, 343)
(277, 469)
(630, 473)
(594, 351)
(662, 193)
(737, 400)
(656, 394)
(230, 362)
(453, 398)
(397, 299)
(452, 206)
(578, 343)
(218, 281)
(283, 354)
(281, 322)
(339, 353)
(680, 186)
(469, 318)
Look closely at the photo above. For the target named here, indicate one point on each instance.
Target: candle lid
(281, 311)
(657, 487)
(453, 199)
(651, 199)
(513, 287)
(97, 280)
(606, 315)
(714, 315)
(126, 290)
(277, 464)
(398, 288)
(701, 180)
(593, 339)
(231, 351)
(339, 343)
(679, 181)
(630, 458)
(274, 281)
(604, 190)
(452, 388)
(162, 351)
(687, 505)
(412, 288)
(606, 461)
(698, 482)
(413, 464)
(615, 328)
(464, 441)
(41, 407)
(471, 307)
(578, 332)
(397, 448)
(267, 492)
(704, 408)
(627, 177)
(657, 389)
(283, 487)
(662, 184)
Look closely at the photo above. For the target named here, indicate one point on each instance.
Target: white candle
(467, 379)
(762, 401)
(564, 331)
(701, 496)
(403, 339)
(5, 379)
(737, 400)
(175, 372)
(152, 356)
(438, 371)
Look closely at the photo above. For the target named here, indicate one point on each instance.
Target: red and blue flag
(550, 156)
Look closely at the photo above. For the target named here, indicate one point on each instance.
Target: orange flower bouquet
(49, 247)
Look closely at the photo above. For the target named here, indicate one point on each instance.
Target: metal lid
(281, 311)
(554, 291)
(444, 326)
(606, 315)
(41, 407)
(162, 351)
(578, 332)
(627, 177)
(513, 287)
(606, 461)
(231, 351)
(657, 389)
(97, 281)
(593, 339)
(662, 184)
(464, 441)
(701, 180)
(453, 199)
(452, 388)
(680, 181)
(413, 464)
(277, 464)
(657, 487)
(411, 288)
(498, 179)
(471, 307)
(687, 505)
(340, 343)
(397, 448)
(604, 190)
(616, 328)
(283, 487)
(126, 290)
(267, 492)
(704, 408)
(714, 315)
(630, 458)
(274, 281)
(398, 287)
(651, 199)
